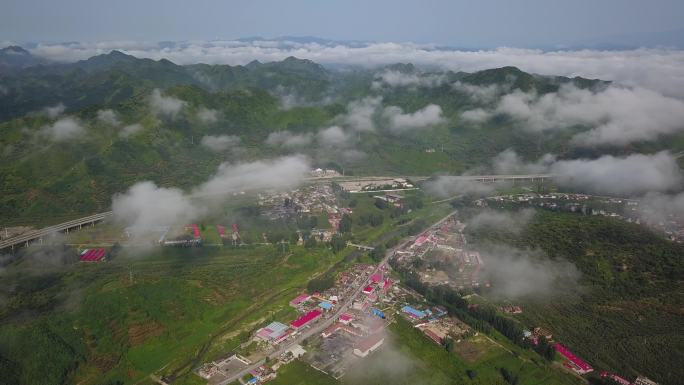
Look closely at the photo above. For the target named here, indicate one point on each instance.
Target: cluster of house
(324, 173)
(640, 380)
(186, 236)
(572, 361)
(436, 324)
(511, 309)
(392, 199)
(312, 199)
(378, 184)
(628, 210)
(443, 257)
(234, 235)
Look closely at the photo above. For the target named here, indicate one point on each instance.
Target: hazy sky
(458, 23)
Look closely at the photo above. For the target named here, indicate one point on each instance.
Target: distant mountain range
(74, 134)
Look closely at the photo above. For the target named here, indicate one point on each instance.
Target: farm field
(138, 314)
(408, 357)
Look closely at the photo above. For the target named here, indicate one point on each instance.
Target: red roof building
(93, 255)
(305, 319)
(616, 378)
(221, 230)
(300, 299)
(375, 278)
(346, 318)
(577, 363)
(195, 230)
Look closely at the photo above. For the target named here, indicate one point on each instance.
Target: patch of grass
(300, 373)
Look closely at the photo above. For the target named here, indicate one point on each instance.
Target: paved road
(319, 327)
(491, 177)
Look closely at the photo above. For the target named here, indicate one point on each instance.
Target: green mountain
(45, 180)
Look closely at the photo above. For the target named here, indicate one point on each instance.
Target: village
(337, 327)
(629, 210)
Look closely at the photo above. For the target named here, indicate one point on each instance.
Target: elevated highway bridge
(38, 235)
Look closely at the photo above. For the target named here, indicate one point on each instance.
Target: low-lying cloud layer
(147, 205)
(108, 116)
(165, 105)
(427, 116)
(513, 222)
(658, 208)
(207, 115)
(288, 139)
(517, 273)
(452, 186)
(657, 69)
(391, 78)
(218, 143)
(65, 128)
(614, 116)
(632, 175)
(360, 115)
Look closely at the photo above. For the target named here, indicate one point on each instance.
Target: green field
(408, 357)
(300, 373)
(162, 313)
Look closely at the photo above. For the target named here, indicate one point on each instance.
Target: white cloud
(130, 130)
(165, 105)
(508, 162)
(64, 129)
(658, 208)
(207, 115)
(477, 115)
(360, 114)
(631, 175)
(108, 116)
(55, 111)
(393, 78)
(452, 186)
(517, 273)
(333, 136)
(427, 116)
(514, 221)
(280, 173)
(657, 69)
(288, 139)
(616, 115)
(481, 94)
(147, 205)
(220, 143)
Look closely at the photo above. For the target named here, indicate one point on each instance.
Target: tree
(378, 253)
(471, 374)
(321, 283)
(345, 223)
(337, 243)
(310, 242)
(448, 344)
(380, 203)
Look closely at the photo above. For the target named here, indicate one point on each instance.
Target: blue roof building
(415, 313)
